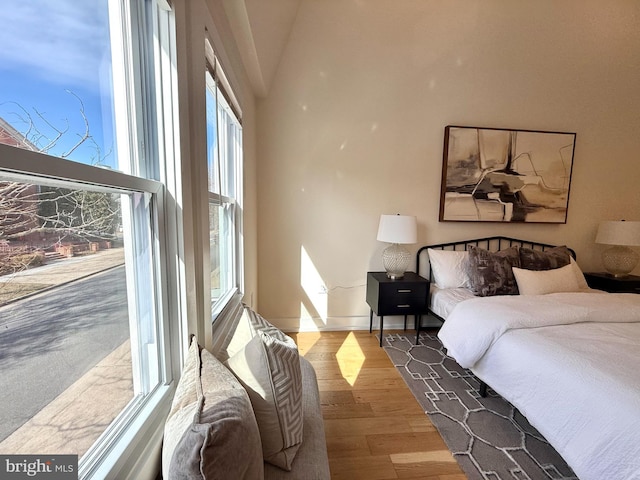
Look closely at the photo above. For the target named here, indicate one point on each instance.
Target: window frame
(18, 164)
(145, 37)
(222, 198)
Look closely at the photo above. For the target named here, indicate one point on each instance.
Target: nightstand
(406, 296)
(609, 283)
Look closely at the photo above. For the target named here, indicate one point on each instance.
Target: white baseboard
(296, 324)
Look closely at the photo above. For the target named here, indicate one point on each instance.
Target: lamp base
(396, 259)
(619, 261)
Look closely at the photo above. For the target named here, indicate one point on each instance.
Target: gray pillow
(211, 431)
(232, 332)
(490, 273)
(260, 324)
(550, 259)
(269, 369)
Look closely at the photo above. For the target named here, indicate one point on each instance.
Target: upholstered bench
(249, 409)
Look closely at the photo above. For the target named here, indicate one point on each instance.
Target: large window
(56, 79)
(85, 272)
(224, 166)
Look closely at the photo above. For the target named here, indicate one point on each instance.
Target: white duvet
(476, 324)
(570, 362)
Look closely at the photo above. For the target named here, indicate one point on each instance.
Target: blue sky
(48, 49)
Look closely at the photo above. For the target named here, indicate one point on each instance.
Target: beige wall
(353, 128)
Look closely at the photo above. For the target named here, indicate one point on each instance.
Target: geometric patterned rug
(489, 438)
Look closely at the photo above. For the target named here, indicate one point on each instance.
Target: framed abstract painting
(502, 175)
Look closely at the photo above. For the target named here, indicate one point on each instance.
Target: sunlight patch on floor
(307, 341)
(350, 359)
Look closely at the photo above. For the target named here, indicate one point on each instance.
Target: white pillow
(449, 268)
(540, 282)
(582, 282)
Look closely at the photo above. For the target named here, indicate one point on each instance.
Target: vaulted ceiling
(261, 30)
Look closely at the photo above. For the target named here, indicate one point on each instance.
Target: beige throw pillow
(582, 282)
(233, 332)
(269, 369)
(211, 431)
(260, 324)
(540, 282)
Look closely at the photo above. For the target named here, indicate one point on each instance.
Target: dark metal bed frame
(488, 243)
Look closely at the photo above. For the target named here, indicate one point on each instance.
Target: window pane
(56, 90)
(224, 152)
(68, 317)
(212, 136)
(82, 249)
(221, 250)
(230, 147)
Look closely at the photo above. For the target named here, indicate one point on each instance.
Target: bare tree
(35, 218)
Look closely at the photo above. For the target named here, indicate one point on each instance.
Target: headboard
(493, 244)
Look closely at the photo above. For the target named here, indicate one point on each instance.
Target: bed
(567, 356)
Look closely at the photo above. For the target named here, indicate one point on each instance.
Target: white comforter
(570, 362)
(476, 324)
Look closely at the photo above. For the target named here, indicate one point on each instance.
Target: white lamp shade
(619, 233)
(398, 229)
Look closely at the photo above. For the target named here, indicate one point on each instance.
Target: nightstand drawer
(405, 296)
(400, 298)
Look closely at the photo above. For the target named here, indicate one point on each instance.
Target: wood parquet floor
(375, 428)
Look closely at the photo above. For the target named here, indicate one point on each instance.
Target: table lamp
(397, 230)
(619, 260)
